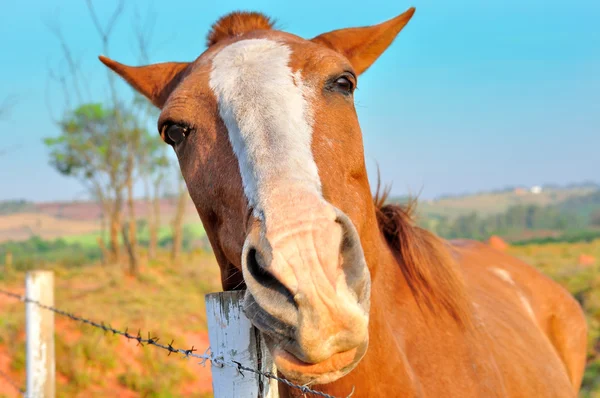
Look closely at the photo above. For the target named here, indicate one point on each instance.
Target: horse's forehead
(266, 45)
(263, 104)
(252, 56)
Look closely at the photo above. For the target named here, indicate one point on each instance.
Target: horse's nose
(344, 252)
(310, 274)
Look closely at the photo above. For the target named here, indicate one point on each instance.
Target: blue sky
(473, 95)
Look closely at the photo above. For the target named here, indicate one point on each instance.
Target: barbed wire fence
(151, 340)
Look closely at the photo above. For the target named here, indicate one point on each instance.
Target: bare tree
(177, 223)
(595, 218)
(129, 152)
(154, 164)
(108, 167)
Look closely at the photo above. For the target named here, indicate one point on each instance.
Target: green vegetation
(72, 251)
(492, 203)
(192, 230)
(38, 253)
(568, 237)
(576, 217)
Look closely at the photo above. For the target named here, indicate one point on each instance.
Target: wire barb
(239, 369)
(188, 352)
(170, 347)
(139, 339)
(216, 361)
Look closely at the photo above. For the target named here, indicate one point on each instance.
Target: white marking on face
(264, 107)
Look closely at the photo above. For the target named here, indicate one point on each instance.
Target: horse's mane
(237, 23)
(425, 260)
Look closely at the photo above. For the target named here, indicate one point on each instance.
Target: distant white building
(536, 189)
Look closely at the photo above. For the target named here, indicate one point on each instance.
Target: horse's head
(264, 127)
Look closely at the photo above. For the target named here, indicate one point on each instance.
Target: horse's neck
(385, 365)
(397, 324)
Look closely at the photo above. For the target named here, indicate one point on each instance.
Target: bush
(37, 253)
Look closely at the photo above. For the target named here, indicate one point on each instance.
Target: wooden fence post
(233, 338)
(39, 329)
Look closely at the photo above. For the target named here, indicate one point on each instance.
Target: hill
(493, 203)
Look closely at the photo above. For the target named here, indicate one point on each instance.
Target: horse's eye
(175, 133)
(344, 84)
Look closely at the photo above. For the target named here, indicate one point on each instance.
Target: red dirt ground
(127, 351)
(6, 389)
(203, 382)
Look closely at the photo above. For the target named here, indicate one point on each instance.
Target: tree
(86, 150)
(154, 167)
(123, 150)
(177, 224)
(154, 162)
(595, 218)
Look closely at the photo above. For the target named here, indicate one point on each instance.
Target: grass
(164, 232)
(568, 237)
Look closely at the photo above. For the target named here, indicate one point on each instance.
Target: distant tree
(595, 218)
(177, 223)
(153, 168)
(155, 165)
(127, 152)
(86, 150)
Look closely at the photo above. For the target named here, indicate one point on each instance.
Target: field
(167, 300)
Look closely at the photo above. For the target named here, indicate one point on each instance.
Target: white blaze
(263, 105)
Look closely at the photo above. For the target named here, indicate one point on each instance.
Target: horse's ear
(362, 46)
(154, 81)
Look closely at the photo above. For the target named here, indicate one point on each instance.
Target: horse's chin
(327, 371)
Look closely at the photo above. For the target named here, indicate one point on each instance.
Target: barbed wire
(13, 383)
(153, 341)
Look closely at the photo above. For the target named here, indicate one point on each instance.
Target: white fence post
(39, 329)
(233, 338)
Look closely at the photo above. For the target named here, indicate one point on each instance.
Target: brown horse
(349, 292)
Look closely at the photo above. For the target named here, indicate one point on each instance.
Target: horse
(351, 294)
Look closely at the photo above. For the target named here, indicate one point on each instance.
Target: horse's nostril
(257, 267)
(348, 241)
